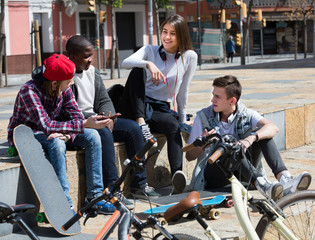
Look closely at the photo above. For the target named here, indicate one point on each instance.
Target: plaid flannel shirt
(43, 113)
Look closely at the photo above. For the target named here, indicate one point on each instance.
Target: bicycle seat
(185, 205)
(6, 210)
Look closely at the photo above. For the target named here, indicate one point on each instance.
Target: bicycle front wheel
(299, 209)
(179, 236)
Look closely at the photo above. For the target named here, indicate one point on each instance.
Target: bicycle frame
(123, 217)
(241, 196)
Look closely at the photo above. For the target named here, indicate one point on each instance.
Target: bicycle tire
(179, 236)
(299, 209)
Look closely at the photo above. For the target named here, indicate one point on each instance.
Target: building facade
(59, 20)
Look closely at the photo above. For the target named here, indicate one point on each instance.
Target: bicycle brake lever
(92, 213)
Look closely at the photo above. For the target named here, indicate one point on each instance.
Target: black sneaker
(179, 182)
(145, 192)
(147, 135)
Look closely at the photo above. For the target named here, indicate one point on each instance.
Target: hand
(96, 122)
(207, 133)
(190, 122)
(61, 136)
(157, 75)
(246, 143)
(111, 125)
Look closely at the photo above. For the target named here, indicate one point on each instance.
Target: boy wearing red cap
(47, 105)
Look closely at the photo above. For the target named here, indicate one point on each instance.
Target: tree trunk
(246, 26)
(305, 36)
(1, 39)
(223, 42)
(112, 52)
(296, 39)
(157, 23)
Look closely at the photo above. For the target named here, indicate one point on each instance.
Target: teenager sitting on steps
(46, 105)
(227, 115)
(93, 99)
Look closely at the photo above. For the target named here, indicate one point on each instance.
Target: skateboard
(206, 209)
(44, 180)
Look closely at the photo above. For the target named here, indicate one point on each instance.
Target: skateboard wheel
(162, 221)
(229, 203)
(215, 213)
(41, 218)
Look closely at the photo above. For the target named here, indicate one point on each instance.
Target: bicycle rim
(299, 209)
(179, 236)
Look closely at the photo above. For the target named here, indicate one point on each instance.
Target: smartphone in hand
(113, 117)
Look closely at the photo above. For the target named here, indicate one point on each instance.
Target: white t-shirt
(86, 90)
(225, 127)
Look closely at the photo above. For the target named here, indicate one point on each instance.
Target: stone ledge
(296, 129)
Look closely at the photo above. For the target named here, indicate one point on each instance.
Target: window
(87, 26)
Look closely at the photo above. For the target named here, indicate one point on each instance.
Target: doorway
(125, 28)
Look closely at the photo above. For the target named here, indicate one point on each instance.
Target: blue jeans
(56, 153)
(129, 132)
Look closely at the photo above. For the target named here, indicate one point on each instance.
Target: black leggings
(132, 106)
(215, 178)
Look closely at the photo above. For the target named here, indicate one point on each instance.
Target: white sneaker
(291, 185)
(269, 190)
(179, 182)
(147, 135)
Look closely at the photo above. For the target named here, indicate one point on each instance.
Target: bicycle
(124, 217)
(11, 214)
(292, 217)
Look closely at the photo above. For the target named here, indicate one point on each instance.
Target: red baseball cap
(58, 68)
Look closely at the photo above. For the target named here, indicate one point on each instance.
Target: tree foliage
(113, 3)
(301, 9)
(160, 4)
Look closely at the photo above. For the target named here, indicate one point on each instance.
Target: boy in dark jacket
(93, 99)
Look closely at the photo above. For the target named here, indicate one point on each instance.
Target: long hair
(182, 32)
(47, 85)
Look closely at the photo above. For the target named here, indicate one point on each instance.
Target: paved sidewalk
(269, 85)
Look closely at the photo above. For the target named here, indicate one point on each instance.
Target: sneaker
(145, 192)
(72, 209)
(147, 135)
(178, 182)
(269, 190)
(291, 185)
(106, 208)
(122, 198)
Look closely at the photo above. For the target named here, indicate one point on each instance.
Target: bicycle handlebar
(202, 141)
(145, 148)
(71, 221)
(188, 147)
(215, 156)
